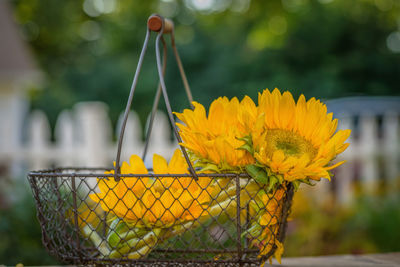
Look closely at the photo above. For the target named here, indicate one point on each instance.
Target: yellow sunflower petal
(137, 165)
(160, 165)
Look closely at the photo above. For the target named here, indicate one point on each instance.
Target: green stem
(245, 185)
(227, 205)
(116, 237)
(97, 241)
(134, 245)
(144, 251)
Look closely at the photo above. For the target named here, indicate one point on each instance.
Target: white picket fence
(83, 137)
(371, 159)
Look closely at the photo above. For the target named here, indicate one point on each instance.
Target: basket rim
(80, 172)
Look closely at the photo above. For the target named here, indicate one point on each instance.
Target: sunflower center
(290, 143)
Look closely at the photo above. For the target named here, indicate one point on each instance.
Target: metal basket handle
(163, 26)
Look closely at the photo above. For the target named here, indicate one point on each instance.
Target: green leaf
(273, 181)
(247, 139)
(296, 184)
(280, 178)
(248, 144)
(210, 167)
(258, 173)
(247, 148)
(262, 166)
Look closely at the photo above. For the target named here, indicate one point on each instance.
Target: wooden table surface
(380, 260)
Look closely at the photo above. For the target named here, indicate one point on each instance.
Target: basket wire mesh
(79, 230)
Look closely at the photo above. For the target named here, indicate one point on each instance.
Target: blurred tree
(20, 240)
(325, 48)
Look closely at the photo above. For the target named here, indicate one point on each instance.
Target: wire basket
(78, 230)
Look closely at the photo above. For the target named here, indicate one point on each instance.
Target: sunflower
(215, 139)
(296, 140)
(115, 196)
(162, 201)
(266, 212)
(270, 221)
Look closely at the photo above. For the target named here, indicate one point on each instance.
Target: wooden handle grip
(155, 23)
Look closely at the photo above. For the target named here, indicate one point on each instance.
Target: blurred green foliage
(323, 48)
(369, 225)
(21, 239)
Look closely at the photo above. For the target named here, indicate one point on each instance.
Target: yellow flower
(116, 196)
(88, 213)
(273, 207)
(268, 211)
(297, 140)
(279, 251)
(215, 138)
(157, 201)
